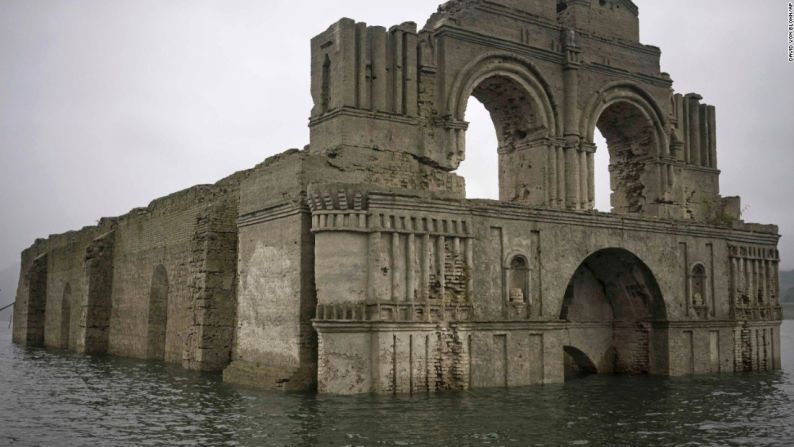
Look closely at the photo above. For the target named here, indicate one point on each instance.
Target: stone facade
(357, 265)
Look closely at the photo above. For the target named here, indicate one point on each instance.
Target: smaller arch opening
(577, 364)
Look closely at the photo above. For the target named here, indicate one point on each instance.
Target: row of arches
(519, 105)
(68, 325)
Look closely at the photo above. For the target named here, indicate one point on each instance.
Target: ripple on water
(51, 398)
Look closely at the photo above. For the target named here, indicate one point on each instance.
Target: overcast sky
(106, 105)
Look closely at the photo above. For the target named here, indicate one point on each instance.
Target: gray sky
(106, 105)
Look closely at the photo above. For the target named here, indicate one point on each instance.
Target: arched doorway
(521, 137)
(631, 141)
(626, 123)
(157, 314)
(577, 364)
(612, 308)
(66, 316)
(517, 103)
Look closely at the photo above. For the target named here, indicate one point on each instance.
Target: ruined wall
(415, 320)
(30, 304)
(611, 18)
(96, 284)
(94, 336)
(188, 235)
(66, 287)
(277, 268)
(52, 287)
(405, 90)
(275, 345)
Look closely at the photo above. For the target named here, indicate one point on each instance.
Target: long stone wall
(98, 283)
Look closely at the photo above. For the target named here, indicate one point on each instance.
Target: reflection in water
(52, 398)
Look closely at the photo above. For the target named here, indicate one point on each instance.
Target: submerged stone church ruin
(357, 265)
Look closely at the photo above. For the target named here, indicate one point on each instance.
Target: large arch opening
(506, 109)
(157, 314)
(611, 307)
(66, 316)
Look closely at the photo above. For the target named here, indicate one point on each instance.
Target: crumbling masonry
(357, 265)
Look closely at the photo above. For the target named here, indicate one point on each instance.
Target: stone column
(551, 176)
(572, 170)
(573, 166)
(591, 179)
(694, 128)
(561, 175)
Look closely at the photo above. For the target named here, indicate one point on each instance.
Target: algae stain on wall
(268, 299)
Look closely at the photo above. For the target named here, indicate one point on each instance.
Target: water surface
(52, 398)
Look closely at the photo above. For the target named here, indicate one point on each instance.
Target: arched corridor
(611, 305)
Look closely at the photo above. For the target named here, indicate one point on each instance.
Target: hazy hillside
(8, 289)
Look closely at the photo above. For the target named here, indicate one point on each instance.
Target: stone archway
(634, 128)
(523, 116)
(157, 315)
(631, 143)
(577, 363)
(612, 306)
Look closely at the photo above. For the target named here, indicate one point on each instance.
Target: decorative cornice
(269, 214)
(502, 44)
(364, 114)
(558, 57)
(484, 208)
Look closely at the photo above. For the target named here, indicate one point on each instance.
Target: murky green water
(57, 399)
